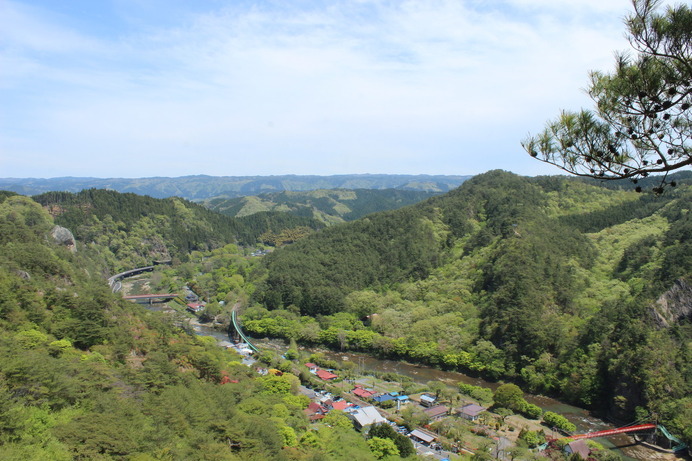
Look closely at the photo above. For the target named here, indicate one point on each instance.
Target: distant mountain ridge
(328, 206)
(200, 187)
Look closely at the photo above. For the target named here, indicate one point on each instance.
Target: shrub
(558, 421)
(529, 410)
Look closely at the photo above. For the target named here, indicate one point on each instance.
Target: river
(423, 374)
(622, 444)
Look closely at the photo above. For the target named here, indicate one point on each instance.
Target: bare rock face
(674, 305)
(64, 237)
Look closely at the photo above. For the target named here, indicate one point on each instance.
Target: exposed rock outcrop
(64, 237)
(674, 305)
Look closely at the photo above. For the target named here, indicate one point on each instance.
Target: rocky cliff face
(674, 305)
(64, 237)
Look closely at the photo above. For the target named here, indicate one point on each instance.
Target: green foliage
(414, 417)
(289, 436)
(309, 439)
(316, 273)
(30, 339)
(385, 431)
(59, 347)
(271, 384)
(482, 394)
(86, 375)
(138, 229)
(531, 438)
(530, 410)
(382, 448)
(508, 396)
(516, 287)
(635, 206)
(285, 237)
(512, 291)
(337, 419)
(558, 421)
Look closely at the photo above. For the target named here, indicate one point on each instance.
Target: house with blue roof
(383, 398)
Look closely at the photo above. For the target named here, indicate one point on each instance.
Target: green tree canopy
(381, 448)
(508, 396)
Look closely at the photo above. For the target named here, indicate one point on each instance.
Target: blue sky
(141, 88)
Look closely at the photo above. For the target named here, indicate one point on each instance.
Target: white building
(366, 416)
(427, 400)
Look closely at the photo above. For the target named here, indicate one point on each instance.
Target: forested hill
(550, 281)
(201, 187)
(85, 375)
(137, 229)
(329, 206)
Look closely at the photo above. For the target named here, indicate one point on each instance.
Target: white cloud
(29, 28)
(369, 86)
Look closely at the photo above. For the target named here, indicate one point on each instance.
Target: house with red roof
(315, 407)
(341, 405)
(312, 367)
(315, 411)
(325, 375)
(195, 307)
(363, 393)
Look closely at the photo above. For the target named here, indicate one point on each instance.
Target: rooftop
(421, 435)
(579, 446)
(436, 411)
(472, 409)
(367, 415)
(363, 393)
(340, 405)
(325, 375)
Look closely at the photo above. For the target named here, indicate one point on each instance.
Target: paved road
(422, 450)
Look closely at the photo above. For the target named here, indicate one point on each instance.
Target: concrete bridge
(151, 297)
(114, 280)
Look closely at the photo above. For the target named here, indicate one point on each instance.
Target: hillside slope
(135, 229)
(85, 375)
(548, 281)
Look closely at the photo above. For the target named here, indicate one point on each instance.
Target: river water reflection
(622, 444)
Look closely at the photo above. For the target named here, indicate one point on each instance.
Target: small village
(442, 423)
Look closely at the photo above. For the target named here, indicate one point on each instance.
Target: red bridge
(676, 445)
(606, 433)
